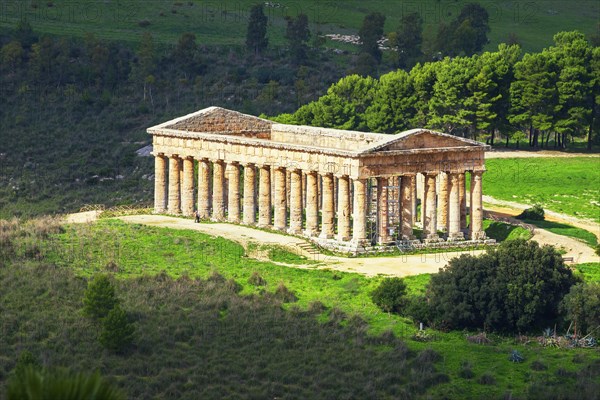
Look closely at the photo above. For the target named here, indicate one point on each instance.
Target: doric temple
(343, 189)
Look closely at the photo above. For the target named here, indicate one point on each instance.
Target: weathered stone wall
(218, 120)
(323, 137)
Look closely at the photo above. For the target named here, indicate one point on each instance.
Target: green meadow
(565, 185)
(224, 22)
(135, 253)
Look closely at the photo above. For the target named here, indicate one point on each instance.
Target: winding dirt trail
(369, 266)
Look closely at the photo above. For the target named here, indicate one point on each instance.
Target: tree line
(553, 94)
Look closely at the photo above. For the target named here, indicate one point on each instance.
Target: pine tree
(117, 332)
(298, 35)
(409, 39)
(256, 34)
(370, 33)
(99, 297)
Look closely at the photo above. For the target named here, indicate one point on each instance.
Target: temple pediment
(217, 120)
(422, 139)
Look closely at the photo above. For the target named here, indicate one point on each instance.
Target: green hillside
(224, 22)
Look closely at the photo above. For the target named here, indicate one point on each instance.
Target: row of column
(445, 210)
(272, 204)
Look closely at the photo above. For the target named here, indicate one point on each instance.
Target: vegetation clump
(516, 287)
(535, 213)
(99, 298)
(390, 295)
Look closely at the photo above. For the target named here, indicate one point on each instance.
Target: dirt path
(369, 266)
(512, 208)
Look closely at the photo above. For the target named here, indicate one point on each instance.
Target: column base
(280, 228)
(294, 231)
(171, 212)
(324, 235)
(432, 238)
(233, 220)
(454, 237)
(264, 226)
(478, 236)
(358, 243)
(385, 241)
(159, 211)
(408, 237)
(344, 238)
(311, 232)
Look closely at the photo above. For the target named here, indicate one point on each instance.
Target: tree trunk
(507, 137)
(492, 137)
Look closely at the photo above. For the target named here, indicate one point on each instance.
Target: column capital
(158, 154)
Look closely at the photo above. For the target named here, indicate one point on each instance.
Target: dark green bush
(535, 213)
(516, 287)
(99, 297)
(390, 295)
(117, 332)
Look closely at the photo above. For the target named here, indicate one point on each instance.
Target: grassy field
(224, 23)
(565, 185)
(142, 251)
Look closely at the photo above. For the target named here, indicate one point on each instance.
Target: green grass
(142, 250)
(590, 271)
(566, 230)
(565, 185)
(224, 23)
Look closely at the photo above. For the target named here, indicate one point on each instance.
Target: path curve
(369, 266)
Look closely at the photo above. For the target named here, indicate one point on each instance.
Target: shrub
(537, 365)
(34, 384)
(285, 294)
(257, 280)
(117, 332)
(26, 360)
(466, 371)
(582, 306)
(99, 297)
(535, 213)
(487, 379)
(390, 295)
(516, 287)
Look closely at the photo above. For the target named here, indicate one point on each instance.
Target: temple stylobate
(344, 189)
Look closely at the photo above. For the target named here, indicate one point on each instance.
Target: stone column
(328, 211)
(454, 232)
(343, 208)
(359, 215)
(430, 210)
(463, 200)
(383, 236)
(312, 204)
(295, 202)
(204, 188)
(218, 197)
(477, 232)
(233, 198)
(407, 206)
(249, 194)
(160, 183)
(174, 206)
(442, 217)
(264, 199)
(187, 190)
(413, 196)
(280, 202)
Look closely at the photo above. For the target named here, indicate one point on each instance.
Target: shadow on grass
(501, 232)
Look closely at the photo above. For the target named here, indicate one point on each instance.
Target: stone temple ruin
(348, 191)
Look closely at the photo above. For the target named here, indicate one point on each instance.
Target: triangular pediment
(422, 139)
(217, 120)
